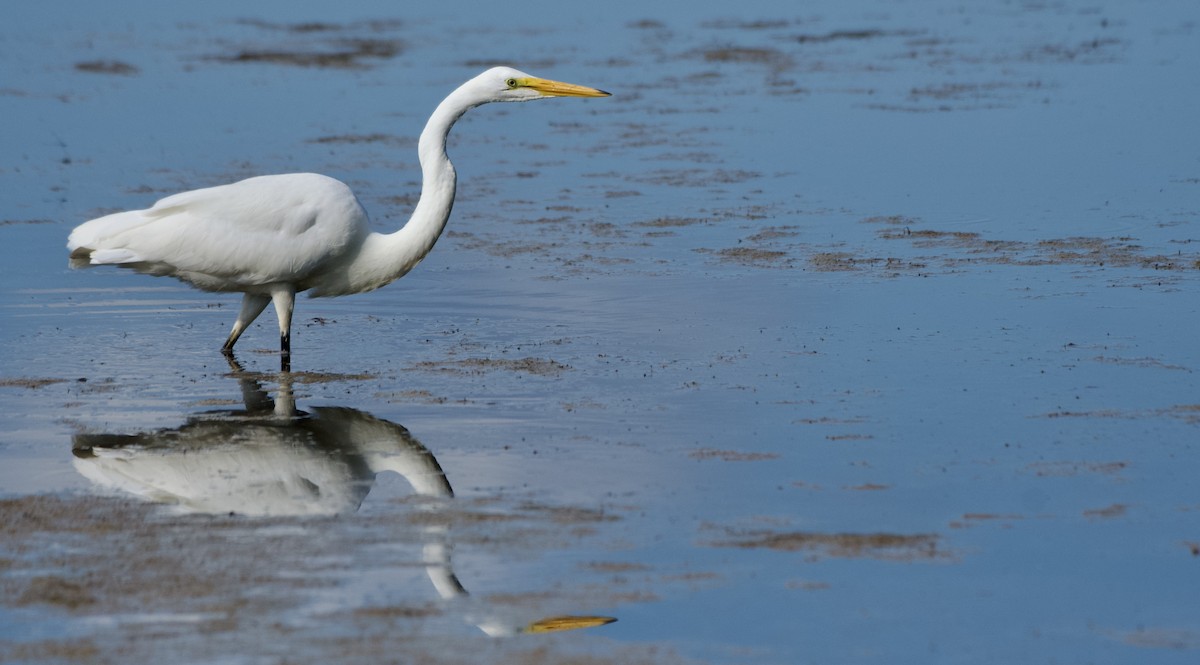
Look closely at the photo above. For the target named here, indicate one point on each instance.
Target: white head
(498, 84)
(505, 84)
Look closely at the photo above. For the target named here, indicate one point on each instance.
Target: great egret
(273, 236)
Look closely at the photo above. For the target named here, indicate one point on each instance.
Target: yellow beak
(555, 624)
(560, 89)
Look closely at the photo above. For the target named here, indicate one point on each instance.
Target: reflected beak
(560, 89)
(556, 624)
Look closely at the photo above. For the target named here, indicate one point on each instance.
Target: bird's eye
(511, 83)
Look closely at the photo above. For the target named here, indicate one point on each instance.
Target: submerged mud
(888, 546)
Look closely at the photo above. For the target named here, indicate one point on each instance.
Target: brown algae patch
(535, 366)
(771, 57)
(850, 35)
(215, 401)
(460, 518)
(107, 67)
(54, 590)
(72, 650)
(772, 233)
(398, 612)
(306, 27)
(1122, 251)
(753, 256)
(347, 54)
(1139, 362)
(336, 50)
(730, 455)
(886, 546)
(849, 437)
(15, 222)
(357, 139)
(956, 250)
(671, 222)
(328, 377)
(1067, 469)
(834, 261)
(1108, 512)
(505, 249)
(615, 567)
(1162, 638)
(743, 54)
(893, 220)
(973, 519)
(26, 382)
(567, 515)
(694, 177)
(1189, 413)
(951, 96)
(302, 377)
(419, 396)
(1092, 51)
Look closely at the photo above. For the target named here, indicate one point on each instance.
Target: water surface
(855, 332)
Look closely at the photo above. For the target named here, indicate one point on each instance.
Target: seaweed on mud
(28, 382)
(752, 256)
(887, 546)
(959, 249)
(107, 67)
(744, 54)
(352, 53)
(671, 222)
(849, 35)
(303, 27)
(534, 366)
(337, 53)
(355, 139)
(730, 455)
(835, 261)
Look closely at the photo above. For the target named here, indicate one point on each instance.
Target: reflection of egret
(268, 459)
(273, 236)
(272, 460)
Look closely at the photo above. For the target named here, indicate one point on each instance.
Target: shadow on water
(271, 460)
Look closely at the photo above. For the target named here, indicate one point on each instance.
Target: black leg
(284, 298)
(285, 352)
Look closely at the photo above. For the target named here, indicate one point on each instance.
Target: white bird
(273, 236)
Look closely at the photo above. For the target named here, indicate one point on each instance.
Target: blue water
(1025, 391)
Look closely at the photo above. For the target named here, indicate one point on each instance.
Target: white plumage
(273, 236)
(215, 238)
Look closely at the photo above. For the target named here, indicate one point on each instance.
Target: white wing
(264, 230)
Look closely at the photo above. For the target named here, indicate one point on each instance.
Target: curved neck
(385, 258)
(438, 180)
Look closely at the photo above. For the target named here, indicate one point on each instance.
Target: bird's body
(312, 223)
(271, 237)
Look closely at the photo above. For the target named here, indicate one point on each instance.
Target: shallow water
(854, 333)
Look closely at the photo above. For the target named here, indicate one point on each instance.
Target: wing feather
(264, 230)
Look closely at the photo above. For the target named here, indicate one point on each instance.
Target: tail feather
(116, 255)
(97, 241)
